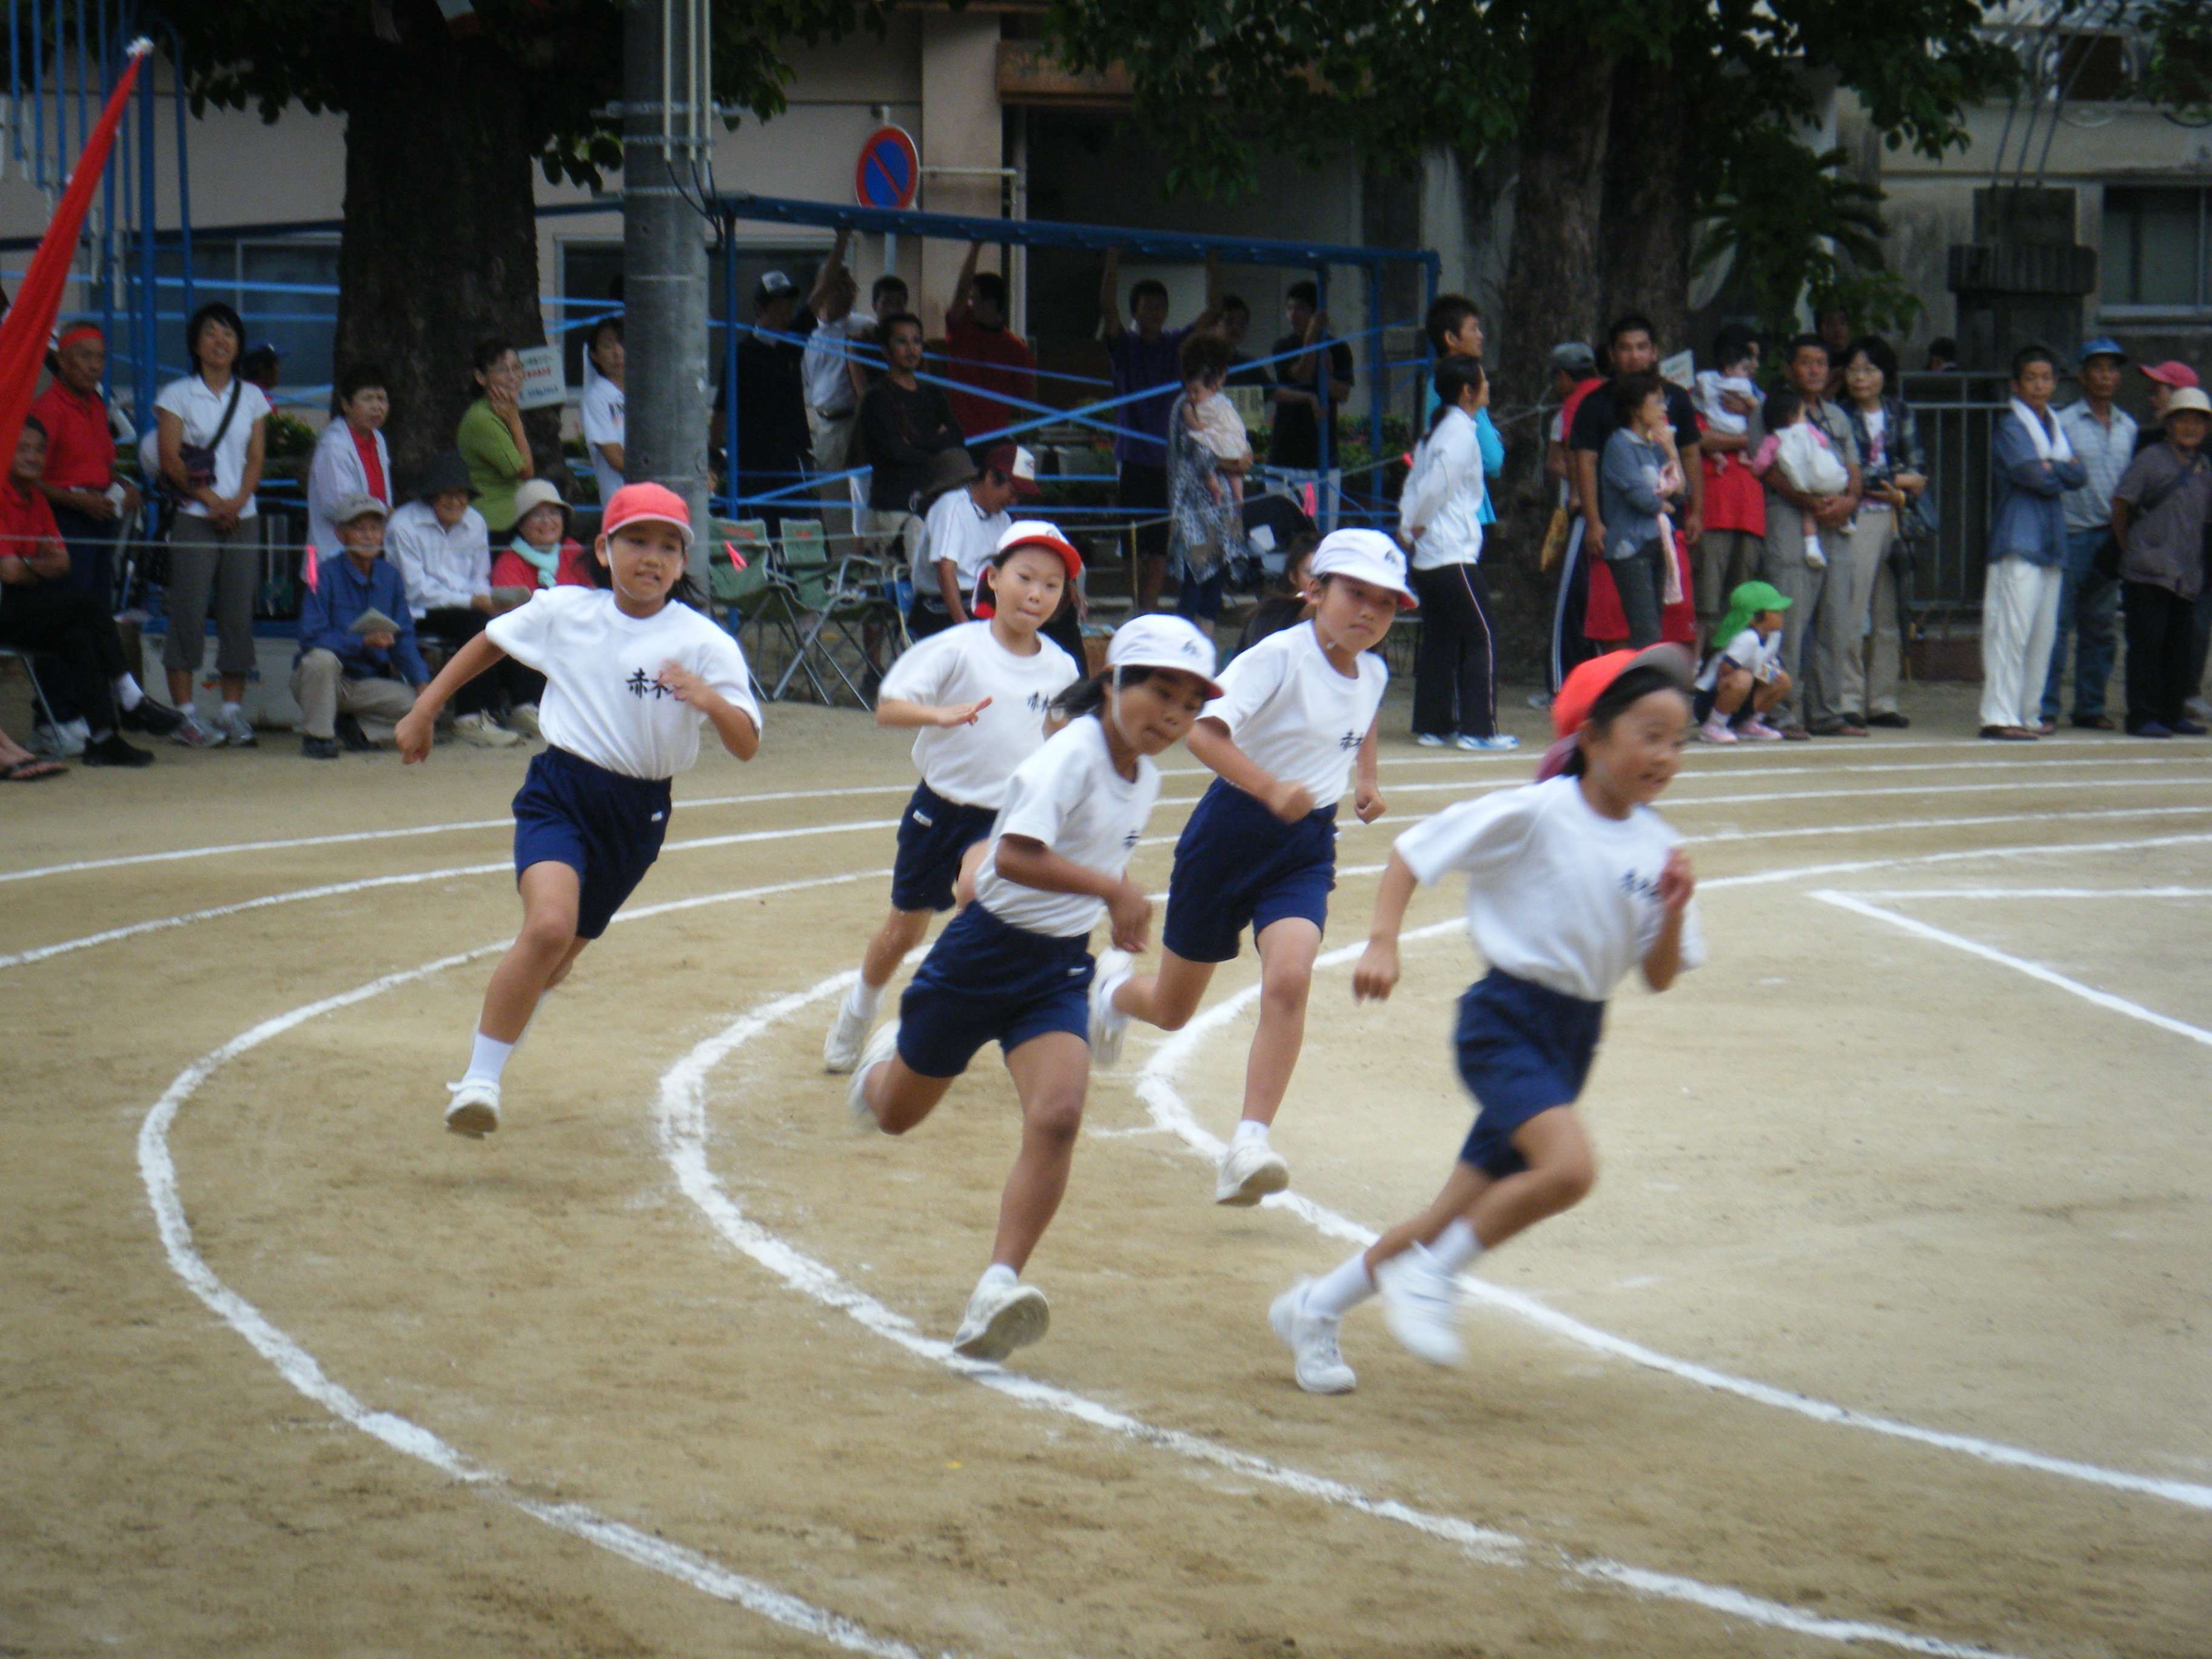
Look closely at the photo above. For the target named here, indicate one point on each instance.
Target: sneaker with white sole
(1715, 730)
(1420, 1304)
(482, 732)
(196, 730)
(1759, 731)
(523, 719)
(1250, 1170)
(1108, 1025)
(1311, 1339)
(1001, 1318)
(849, 1031)
(238, 731)
(879, 1047)
(1496, 740)
(1431, 740)
(474, 1109)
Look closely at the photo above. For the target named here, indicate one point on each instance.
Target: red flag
(30, 320)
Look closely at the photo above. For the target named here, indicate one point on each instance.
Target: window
(2157, 253)
(591, 271)
(285, 292)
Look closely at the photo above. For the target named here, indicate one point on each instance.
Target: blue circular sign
(890, 170)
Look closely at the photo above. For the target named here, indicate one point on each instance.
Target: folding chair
(24, 655)
(862, 600)
(804, 607)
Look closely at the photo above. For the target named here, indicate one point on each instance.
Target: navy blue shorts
(605, 827)
(1236, 865)
(1522, 1050)
(933, 833)
(984, 979)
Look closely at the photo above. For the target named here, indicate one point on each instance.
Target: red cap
(647, 502)
(1582, 687)
(1036, 533)
(1012, 461)
(2170, 372)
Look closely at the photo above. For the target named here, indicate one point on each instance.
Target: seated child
(1808, 466)
(1746, 664)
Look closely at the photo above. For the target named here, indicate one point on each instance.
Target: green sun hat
(1747, 601)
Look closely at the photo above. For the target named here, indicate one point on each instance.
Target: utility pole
(667, 136)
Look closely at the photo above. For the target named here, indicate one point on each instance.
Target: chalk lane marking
(157, 1171)
(681, 1116)
(1155, 1086)
(2034, 970)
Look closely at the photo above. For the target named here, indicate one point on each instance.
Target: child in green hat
(1743, 677)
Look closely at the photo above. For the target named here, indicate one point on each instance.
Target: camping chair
(738, 594)
(861, 613)
(803, 569)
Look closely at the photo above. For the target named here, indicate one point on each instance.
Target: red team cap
(1036, 533)
(1018, 463)
(646, 503)
(1587, 684)
(2169, 373)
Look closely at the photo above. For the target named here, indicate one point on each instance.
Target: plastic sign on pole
(889, 171)
(543, 384)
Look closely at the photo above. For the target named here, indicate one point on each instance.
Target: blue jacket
(342, 593)
(2030, 520)
(1628, 492)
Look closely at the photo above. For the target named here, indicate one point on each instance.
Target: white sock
(128, 695)
(1248, 1128)
(487, 1058)
(864, 1000)
(1455, 1246)
(1338, 1291)
(230, 711)
(996, 1275)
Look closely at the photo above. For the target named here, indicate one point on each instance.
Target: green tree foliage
(2178, 75)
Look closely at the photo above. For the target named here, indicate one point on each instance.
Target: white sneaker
(482, 732)
(1311, 1339)
(1001, 1318)
(238, 731)
(1496, 740)
(1108, 1025)
(880, 1048)
(523, 719)
(474, 1109)
(1420, 1304)
(63, 742)
(841, 1049)
(197, 731)
(1250, 1170)
(1430, 739)
(1715, 731)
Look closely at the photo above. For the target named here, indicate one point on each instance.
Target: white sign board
(1681, 369)
(544, 385)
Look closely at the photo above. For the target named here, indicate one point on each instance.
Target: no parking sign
(889, 170)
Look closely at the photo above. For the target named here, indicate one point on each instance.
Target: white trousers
(2020, 620)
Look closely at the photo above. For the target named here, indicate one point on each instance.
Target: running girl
(629, 678)
(1572, 881)
(1016, 963)
(1296, 716)
(978, 691)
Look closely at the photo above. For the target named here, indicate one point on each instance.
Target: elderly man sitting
(357, 652)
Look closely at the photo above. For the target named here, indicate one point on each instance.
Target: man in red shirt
(42, 610)
(984, 353)
(90, 505)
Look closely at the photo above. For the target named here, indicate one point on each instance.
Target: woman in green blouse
(491, 439)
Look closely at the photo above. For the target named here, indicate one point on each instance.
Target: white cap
(1157, 641)
(1366, 556)
(2187, 398)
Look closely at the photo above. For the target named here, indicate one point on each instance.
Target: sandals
(33, 770)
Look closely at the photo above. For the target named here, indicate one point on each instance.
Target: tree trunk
(1644, 220)
(417, 288)
(1550, 295)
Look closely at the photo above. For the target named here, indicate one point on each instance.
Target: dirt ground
(1887, 1326)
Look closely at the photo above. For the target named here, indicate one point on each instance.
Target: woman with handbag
(210, 433)
(1869, 644)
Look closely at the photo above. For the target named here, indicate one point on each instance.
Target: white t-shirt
(443, 568)
(602, 699)
(600, 413)
(971, 763)
(1068, 796)
(954, 529)
(1748, 651)
(822, 369)
(200, 411)
(1557, 892)
(1288, 708)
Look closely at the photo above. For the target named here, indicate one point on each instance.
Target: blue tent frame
(1158, 244)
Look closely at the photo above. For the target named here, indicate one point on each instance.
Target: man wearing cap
(2166, 379)
(91, 505)
(961, 531)
(981, 351)
(342, 670)
(2104, 439)
(772, 440)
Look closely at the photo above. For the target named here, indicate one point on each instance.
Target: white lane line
(2031, 893)
(681, 1116)
(1155, 1085)
(2035, 970)
(157, 1170)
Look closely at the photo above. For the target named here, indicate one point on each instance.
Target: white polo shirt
(955, 529)
(1288, 708)
(822, 369)
(443, 568)
(970, 764)
(603, 698)
(1068, 796)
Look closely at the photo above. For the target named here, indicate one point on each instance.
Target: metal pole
(664, 265)
(1381, 387)
(146, 314)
